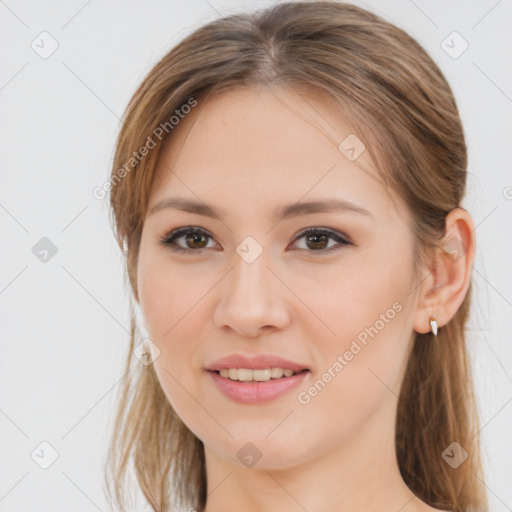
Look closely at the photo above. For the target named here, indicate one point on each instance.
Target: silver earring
(433, 326)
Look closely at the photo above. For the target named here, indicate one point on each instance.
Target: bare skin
(247, 153)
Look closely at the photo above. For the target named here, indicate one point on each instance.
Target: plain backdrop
(64, 308)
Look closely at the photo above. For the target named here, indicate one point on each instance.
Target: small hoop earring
(433, 326)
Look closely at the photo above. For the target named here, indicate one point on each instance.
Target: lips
(259, 362)
(257, 393)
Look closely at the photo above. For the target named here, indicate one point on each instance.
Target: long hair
(401, 106)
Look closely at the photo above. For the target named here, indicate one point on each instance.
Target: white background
(65, 322)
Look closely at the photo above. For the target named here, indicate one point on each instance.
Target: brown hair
(403, 109)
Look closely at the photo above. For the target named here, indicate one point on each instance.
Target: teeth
(247, 375)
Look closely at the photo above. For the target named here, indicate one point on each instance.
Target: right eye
(195, 239)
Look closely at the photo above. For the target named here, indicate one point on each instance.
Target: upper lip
(259, 362)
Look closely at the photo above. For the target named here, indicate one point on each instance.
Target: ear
(447, 280)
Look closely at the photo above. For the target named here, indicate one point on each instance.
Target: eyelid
(178, 233)
(341, 238)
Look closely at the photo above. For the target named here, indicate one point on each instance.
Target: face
(336, 300)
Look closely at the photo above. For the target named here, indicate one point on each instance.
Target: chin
(258, 452)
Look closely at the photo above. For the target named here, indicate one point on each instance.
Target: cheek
(171, 300)
(368, 314)
(170, 296)
(360, 368)
(346, 301)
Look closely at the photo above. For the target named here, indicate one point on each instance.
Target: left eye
(196, 239)
(319, 238)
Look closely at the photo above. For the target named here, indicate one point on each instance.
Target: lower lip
(256, 392)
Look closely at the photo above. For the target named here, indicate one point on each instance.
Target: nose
(253, 299)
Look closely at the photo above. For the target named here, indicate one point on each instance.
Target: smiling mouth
(261, 375)
(254, 392)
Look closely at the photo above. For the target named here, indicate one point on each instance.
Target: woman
(287, 192)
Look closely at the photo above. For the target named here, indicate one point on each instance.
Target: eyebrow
(280, 213)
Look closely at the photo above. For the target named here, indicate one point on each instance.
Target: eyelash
(169, 239)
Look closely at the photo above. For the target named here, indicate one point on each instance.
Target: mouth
(245, 363)
(256, 378)
(252, 391)
(259, 375)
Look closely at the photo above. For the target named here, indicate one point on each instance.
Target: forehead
(268, 145)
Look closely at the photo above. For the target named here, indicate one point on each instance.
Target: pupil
(313, 237)
(195, 238)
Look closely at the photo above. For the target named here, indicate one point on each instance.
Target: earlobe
(445, 287)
